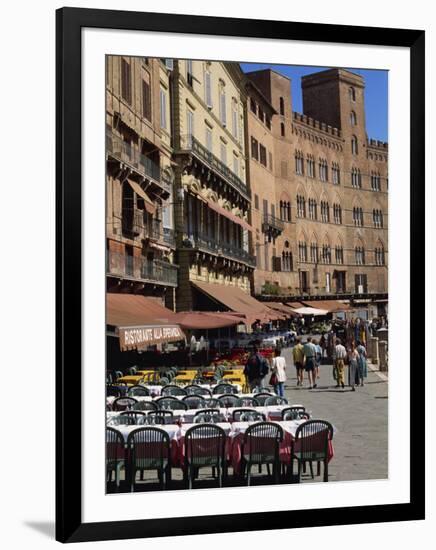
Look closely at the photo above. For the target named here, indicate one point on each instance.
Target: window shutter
(146, 100)
(208, 89)
(223, 107)
(235, 122)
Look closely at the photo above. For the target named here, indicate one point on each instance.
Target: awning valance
(141, 321)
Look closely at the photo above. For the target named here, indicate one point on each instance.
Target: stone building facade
(324, 187)
(212, 197)
(139, 221)
(212, 178)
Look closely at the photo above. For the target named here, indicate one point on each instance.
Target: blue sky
(376, 93)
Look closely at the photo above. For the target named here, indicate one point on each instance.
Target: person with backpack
(255, 369)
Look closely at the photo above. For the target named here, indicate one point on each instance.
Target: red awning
(239, 302)
(236, 219)
(141, 321)
(207, 320)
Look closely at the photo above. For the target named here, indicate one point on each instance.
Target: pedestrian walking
(310, 365)
(339, 356)
(318, 358)
(255, 369)
(278, 376)
(353, 369)
(361, 362)
(298, 357)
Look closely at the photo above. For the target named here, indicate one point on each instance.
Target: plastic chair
(149, 449)
(247, 415)
(262, 397)
(211, 416)
(138, 390)
(247, 402)
(224, 389)
(261, 446)
(204, 447)
(194, 401)
(115, 454)
(212, 402)
(145, 406)
(193, 389)
(124, 403)
(311, 444)
(228, 400)
(292, 413)
(171, 403)
(173, 390)
(159, 417)
(275, 400)
(130, 418)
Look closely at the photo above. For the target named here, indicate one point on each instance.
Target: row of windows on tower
(324, 254)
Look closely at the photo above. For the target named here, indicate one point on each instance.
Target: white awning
(310, 311)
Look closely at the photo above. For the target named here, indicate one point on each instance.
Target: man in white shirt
(339, 355)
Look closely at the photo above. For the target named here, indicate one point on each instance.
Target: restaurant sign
(144, 336)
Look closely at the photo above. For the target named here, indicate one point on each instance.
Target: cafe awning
(311, 311)
(235, 299)
(206, 320)
(141, 321)
(283, 308)
(331, 306)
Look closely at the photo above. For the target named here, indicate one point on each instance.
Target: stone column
(374, 347)
(383, 348)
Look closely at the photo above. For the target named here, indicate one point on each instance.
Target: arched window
(359, 253)
(353, 118)
(325, 211)
(339, 254)
(352, 93)
(379, 255)
(337, 213)
(299, 163)
(282, 129)
(301, 206)
(282, 106)
(354, 146)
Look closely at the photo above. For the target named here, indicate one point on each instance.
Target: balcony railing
(221, 248)
(142, 269)
(124, 152)
(271, 222)
(190, 143)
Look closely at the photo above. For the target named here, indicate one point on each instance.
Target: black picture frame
(69, 23)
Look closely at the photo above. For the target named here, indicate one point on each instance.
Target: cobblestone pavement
(360, 417)
(360, 442)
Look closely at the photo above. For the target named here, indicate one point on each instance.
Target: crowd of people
(307, 356)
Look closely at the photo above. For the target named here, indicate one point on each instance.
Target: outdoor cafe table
(234, 440)
(271, 412)
(289, 428)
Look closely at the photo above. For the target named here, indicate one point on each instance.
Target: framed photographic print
(240, 234)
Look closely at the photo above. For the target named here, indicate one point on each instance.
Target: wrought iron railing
(156, 271)
(270, 221)
(190, 143)
(204, 241)
(124, 152)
